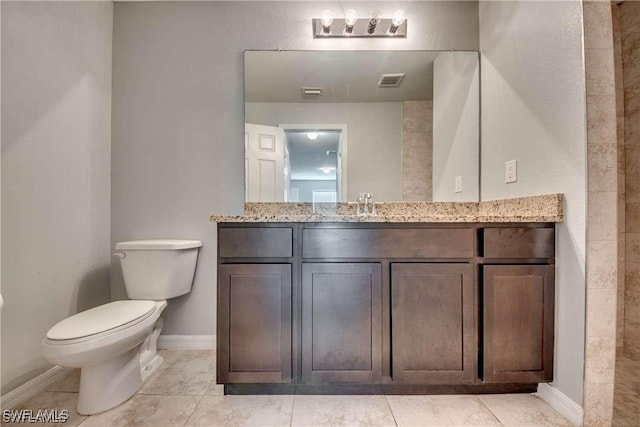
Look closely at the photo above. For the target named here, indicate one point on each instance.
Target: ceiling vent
(311, 92)
(391, 80)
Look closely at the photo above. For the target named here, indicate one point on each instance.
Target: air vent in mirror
(391, 80)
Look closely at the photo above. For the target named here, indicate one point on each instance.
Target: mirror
(325, 126)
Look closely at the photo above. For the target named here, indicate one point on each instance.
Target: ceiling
(306, 157)
(345, 76)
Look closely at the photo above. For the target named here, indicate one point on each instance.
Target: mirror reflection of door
(314, 167)
(264, 164)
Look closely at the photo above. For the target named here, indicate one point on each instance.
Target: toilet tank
(158, 269)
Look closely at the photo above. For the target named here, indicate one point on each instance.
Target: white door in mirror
(264, 164)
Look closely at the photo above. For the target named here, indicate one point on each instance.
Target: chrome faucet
(369, 205)
(365, 206)
(360, 201)
(367, 200)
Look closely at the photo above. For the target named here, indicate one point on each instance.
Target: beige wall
(630, 43)
(617, 57)
(178, 113)
(56, 112)
(533, 110)
(417, 151)
(602, 233)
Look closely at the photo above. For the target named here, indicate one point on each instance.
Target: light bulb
(313, 135)
(375, 15)
(374, 18)
(398, 18)
(326, 18)
(350, 17)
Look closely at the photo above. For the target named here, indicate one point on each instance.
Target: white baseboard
(561, 403)
(32, 387)
(187, 342)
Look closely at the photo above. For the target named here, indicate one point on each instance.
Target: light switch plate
(510, 171)
(458, 184)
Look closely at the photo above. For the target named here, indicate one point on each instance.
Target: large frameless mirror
(325, 126)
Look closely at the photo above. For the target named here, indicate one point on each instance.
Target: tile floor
(184, 393)
(626, 398)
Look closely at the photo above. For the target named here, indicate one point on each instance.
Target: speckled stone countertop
(543, 208)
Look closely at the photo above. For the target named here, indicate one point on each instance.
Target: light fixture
(326, 19)
(374, 19)
(329, 26)
(326, 170)
(397, 20)
(350, 19)
(313, 135)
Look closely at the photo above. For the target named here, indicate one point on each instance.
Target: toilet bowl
(115, 344)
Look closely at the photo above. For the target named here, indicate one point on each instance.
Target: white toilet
(115, 344)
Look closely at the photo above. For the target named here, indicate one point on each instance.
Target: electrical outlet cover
(510, 171)
(458, 184)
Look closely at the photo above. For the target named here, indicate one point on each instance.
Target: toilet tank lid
(158, 245)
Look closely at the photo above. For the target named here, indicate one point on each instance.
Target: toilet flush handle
(120, 254)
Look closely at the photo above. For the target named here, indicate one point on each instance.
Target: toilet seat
(99, 321)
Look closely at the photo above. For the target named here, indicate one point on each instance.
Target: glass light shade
(313, 135)
(375, 15)
(326, 18)
(350, 17)
(398, 18)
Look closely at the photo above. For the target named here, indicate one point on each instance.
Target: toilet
(115, 344)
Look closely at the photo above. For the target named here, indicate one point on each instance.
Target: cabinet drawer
(519, 243)
(267, 242)
(387, 243)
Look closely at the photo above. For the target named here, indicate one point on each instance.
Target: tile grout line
(202, 396)
(193, 411)
(391, 410)
(293, 405)
(489, 409)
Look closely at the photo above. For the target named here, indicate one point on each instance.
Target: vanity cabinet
(353, 308)
(432, 312)
(341, 322)
(254, 315)
(518, 323)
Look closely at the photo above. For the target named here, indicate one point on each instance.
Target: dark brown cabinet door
(254, 323)
(518, 323)
(432, 317)
(341, 323)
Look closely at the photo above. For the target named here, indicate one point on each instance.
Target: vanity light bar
(351, 26)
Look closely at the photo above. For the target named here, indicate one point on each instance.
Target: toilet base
(151, 368)
(109, 384)
(150, 361)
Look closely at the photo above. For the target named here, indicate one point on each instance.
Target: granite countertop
(542, 208)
